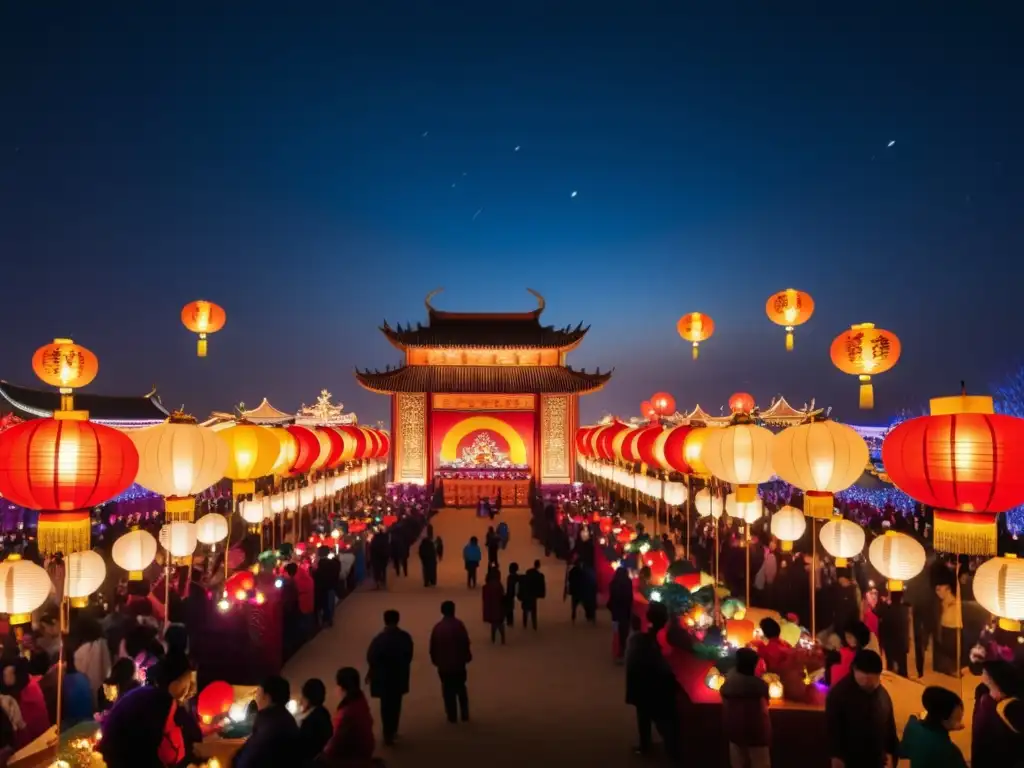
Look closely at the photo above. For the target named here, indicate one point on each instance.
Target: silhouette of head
(448, 609)
(391, 618)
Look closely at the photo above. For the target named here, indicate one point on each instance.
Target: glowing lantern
(898, 557)
(740, 454)
(327, 449)
(252, 453)
(747, 511)
(203, 317)
(289, 450)
(714, 679)
(179, 538)
(820, 458)
(789, 308)
(178, 459)
(619, 444)
(63, 467)
(964, 461)
(581, 441)
(865, 351)
(842, 539)
(658, 562)
(708, 504)
(605, 525)
(252, 511)
(24, 586)
(690, 581)
(739, 632)
(134, 551)
(663, 403)
(648, 411)
(999, 588)
(211, 528)
(624, 536)
(775, 687)
(385, 438)
(372, 445)
(638, 444)
(358, 444)
(675, 494)
(693, 448)
(669, 449)
(67, 366)
(788, 525)
(240, 581)
(741, 402)
(308, 450)
(605, 438)
(790, 633)
(695, 327)
(214, 701)
(84, 573)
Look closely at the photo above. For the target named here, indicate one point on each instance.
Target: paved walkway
(545, 698)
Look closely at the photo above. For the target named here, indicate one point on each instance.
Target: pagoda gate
(484, 403)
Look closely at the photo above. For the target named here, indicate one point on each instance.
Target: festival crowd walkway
(551, 697)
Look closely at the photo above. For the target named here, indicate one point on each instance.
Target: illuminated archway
(450, 443)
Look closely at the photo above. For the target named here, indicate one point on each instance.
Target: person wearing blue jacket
(472, 556)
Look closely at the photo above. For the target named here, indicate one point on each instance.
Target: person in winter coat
(326, 578)
(856, 637)
(494, 604)
(389, 658)
(451, 654)
(24, 689)
(503, 533)
(428, 560)
(620, 605)
(926, 743)
(894, 633)
(493, 544)
(651, 685)
(859, 717)
(998, 723)
(380, 553)
(532, 588)
(574, 588)
(315, 727)
(275, 734)
(511, 591)
(353, 724)
(471, 557)
(748, 728)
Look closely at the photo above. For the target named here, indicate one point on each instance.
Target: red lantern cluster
(663, 403)
(307, 450)
(215, 700)
(63, 465)
(648, 411)
(604, 437)
(658, 562)
(668, 449)
(582, 446)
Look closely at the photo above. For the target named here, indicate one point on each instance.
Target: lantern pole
(814, 557)
(748, 563)
(686, 519)
(65, 622)
(636, 496)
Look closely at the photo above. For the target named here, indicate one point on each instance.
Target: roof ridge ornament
(426, 301)
(541, 304)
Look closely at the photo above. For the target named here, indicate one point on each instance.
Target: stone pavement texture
(547, 698)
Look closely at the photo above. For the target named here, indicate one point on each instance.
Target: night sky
(316, 171)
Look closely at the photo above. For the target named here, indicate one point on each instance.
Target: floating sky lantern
(865, 351)
(789, 308)
(203, 317)
(663, 403)
(820, 458)
(741, 402)
(695, 327)
(964, 461)
(67, 366)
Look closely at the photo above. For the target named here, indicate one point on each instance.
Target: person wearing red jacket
(774, 651)
(352, 739)
(450, 653)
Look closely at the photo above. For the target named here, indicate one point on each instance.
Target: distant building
(123, 412)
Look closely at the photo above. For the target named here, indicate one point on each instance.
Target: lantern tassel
(180, 509)
(789, 339)
(201, 346)
(696, 350)
(64, 532)
(818, 505)
(867, 394)
(972, 534)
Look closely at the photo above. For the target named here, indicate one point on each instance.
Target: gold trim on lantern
(745, 493)
(70, 415)
(895, 585)
(867, 393)
(180, 509)
(1010, 625)
(64, 532)
(16, 619)
(972, 537)
(842, 562)
(787, 546)
(134, 575)
(950, 406)
(818, 505)
(239, 487)
(79, 602)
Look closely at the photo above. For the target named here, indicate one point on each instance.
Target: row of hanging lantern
(863, 350)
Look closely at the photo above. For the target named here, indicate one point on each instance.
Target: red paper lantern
(690, 581)
(625, 536)
(356, 526)
(582, 447)
(64, 467)
(359, 437)
(215, 700)
(668, 449)
(741, 402)
(658, 562)
(242, 581)
(389, 520)
(648, 411)
(663, 403)
(604, 444)
(307, 450)
(373, 443)
(963, 460)
(337, 446)
(638, 446)
(605, 524)
(385, 444)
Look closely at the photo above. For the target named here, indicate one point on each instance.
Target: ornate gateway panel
(555, 428)
(411, 464)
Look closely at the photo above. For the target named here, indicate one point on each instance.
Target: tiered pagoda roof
(483, 379)
(29, 403)
(493, 330)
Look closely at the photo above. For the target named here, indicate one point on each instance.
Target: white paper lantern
(675, 494)
(252, 511)
(898, 557)
(821, 458)
(24, 586)
(277, 504)
(134, 551)
(842, 539)
(709, 504)
(999, 588)
(83, 574)
(179, 538)
(179, 458)
(211, 528)
(306, 496)
(740, 454)
(788, 525)
(747, 511)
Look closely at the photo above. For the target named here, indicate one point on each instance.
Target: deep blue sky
(273, 160)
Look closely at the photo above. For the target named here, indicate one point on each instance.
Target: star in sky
(573, 193)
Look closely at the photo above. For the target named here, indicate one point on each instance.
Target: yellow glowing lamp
(865, 351)
(67, 366)
(775, 689)
(253, 451)
(714, 679)
(999, 588)
(203, 318)
(898, 557)
(820, 458)
(788, 525)
(288, 451)
(789, 308)
(740, 454)
(693, 447)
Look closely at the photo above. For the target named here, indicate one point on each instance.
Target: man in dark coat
(275, 734)
(389, 658)
(894, 633)
(326, 577)
(428, 560)
(380, 553)
(859, 717)
(651, 685)
(511, 590)
(532, 587)
(450, 653)
(924, 607)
